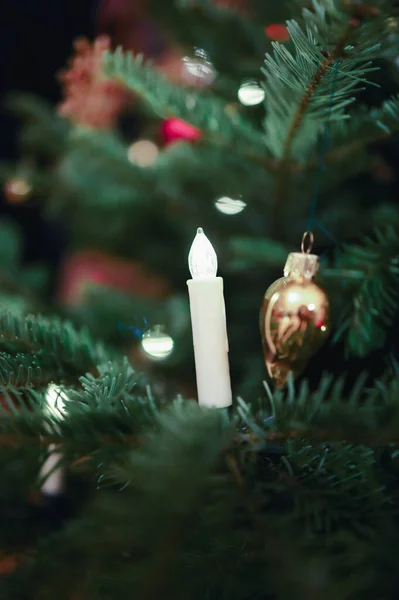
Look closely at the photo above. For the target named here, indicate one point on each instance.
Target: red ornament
(176, 130)
(277, 32)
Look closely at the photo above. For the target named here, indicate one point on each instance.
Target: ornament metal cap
(300, 264)
(303, 264)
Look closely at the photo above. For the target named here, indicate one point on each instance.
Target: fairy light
(251, 93)
(229, 206)
(143, 153)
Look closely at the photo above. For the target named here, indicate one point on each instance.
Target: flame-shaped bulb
(202, 260)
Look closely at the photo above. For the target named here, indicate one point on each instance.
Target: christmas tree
(276, 127)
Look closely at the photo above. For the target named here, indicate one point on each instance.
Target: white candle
(51, 474)
(208, 320)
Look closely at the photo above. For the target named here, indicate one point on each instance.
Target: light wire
(312, 222)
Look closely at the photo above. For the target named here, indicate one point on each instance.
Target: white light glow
(251, 93)
(323, 328)
(19, 187)
(228, 206)
(202, 260)
(157, 344)
(143, 153)
(311, 307)
(55, 401)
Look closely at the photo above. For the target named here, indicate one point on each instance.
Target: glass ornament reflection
(198, 69)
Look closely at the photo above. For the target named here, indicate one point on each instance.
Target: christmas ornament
(277, 32)
(157, 344)
(17, 190)
(198, 69)
(175, 130)
(294, 316)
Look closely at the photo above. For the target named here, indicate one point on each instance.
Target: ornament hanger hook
(307, 242)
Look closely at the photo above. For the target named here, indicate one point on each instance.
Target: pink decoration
(90, 98)
(175, 130)
(83, 270)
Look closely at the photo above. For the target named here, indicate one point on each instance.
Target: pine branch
(203, 23)
(363, 130)
(311, 89)
(53, 342)
(22, 371)
(205, 111)
(163, 563)
(276, 549)
(304, 77)
(374, 299)
(331, 56)
(107, 412)
(314, 488)
(17, 440)
(368, 416)
(44, 134)
(107, 183)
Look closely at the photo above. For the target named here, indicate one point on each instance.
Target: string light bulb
(157, 344)
(17, 190)
(251, 93)
(143, 153)
(229, 206)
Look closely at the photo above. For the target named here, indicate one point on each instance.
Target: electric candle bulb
(208, 319)
(202, 260)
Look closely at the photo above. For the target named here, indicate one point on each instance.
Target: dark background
(36, 39)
